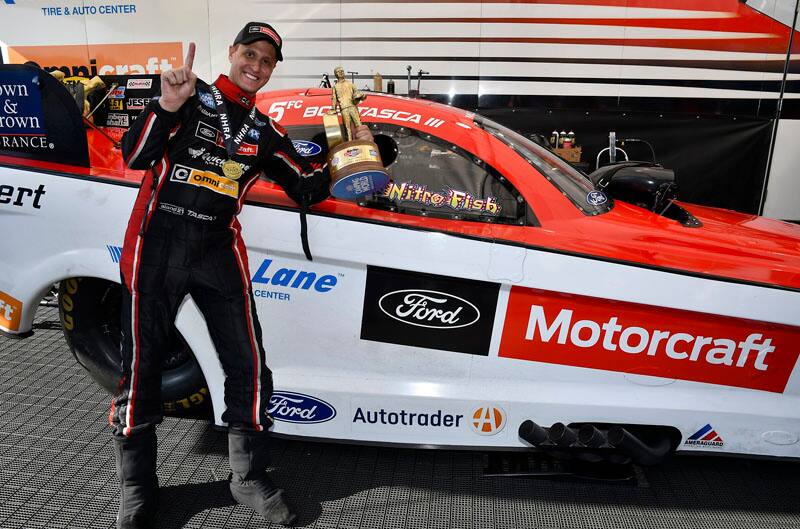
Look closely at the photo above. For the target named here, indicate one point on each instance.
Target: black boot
(249, 457)
(136, 470)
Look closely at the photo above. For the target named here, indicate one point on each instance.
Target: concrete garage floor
(57, 470)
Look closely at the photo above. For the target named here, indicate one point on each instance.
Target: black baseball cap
(253, 31)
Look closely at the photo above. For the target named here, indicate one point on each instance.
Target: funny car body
(491, 296)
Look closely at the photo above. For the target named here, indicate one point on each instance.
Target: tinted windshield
(574, 184)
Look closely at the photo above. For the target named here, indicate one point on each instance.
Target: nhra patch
(705, 436)
(207, 179)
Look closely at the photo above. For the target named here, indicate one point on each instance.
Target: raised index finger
(189, 56)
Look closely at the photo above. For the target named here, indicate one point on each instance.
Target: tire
(90, 316)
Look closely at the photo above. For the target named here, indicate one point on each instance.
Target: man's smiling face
(251, 65)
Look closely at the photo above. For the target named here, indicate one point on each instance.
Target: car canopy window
(572, 183)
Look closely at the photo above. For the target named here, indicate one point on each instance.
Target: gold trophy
(355, 165)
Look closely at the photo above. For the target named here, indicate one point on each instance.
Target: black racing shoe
(262, 496)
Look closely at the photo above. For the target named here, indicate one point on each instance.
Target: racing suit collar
(234, 93)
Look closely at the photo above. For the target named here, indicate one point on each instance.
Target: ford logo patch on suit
(297, 408)
(306, 148)
(428, 308)
(430, 311)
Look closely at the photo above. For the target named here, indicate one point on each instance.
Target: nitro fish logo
(448, 198)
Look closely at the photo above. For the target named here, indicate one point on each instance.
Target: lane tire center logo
(425, 310)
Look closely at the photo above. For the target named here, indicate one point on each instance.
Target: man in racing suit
(204, 146)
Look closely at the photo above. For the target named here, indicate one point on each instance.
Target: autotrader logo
(488, 420)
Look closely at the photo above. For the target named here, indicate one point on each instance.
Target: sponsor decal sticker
(596, 198)
(488, 420)
(583, 331)
(10, 312)
(705, 436)
(22, 196)
(137, 103)
(117, 93)
(424, 310)
(207, 179)
(117, 120)
(298, 408)
(139, 84)
(115, 252)
(20, 105)
(290, 279)
(116, 104)
(102, 59)
(416, 307)
(402, 417)
(306, 148)
(447, 198)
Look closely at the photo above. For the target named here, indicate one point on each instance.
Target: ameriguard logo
(705, 436)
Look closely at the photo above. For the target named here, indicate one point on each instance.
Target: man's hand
(178, 85)
(363, 133)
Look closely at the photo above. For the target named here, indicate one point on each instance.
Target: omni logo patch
(207, 179)
(488, 420)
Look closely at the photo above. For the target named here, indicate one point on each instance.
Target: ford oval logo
(429, 308)
(306, 148)
(293, 407)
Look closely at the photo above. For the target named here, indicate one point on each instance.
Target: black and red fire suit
(183, 238)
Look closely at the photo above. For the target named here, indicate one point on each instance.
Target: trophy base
(359, 184)
(356, 169)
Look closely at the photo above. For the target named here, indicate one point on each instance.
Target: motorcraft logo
(20, 104)
(207, 100)
(306, 148)
(582, 331)
(705, 436)
(206, 179)
(298, 408)
(428, 308)
(428, 311)
(488, 420)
